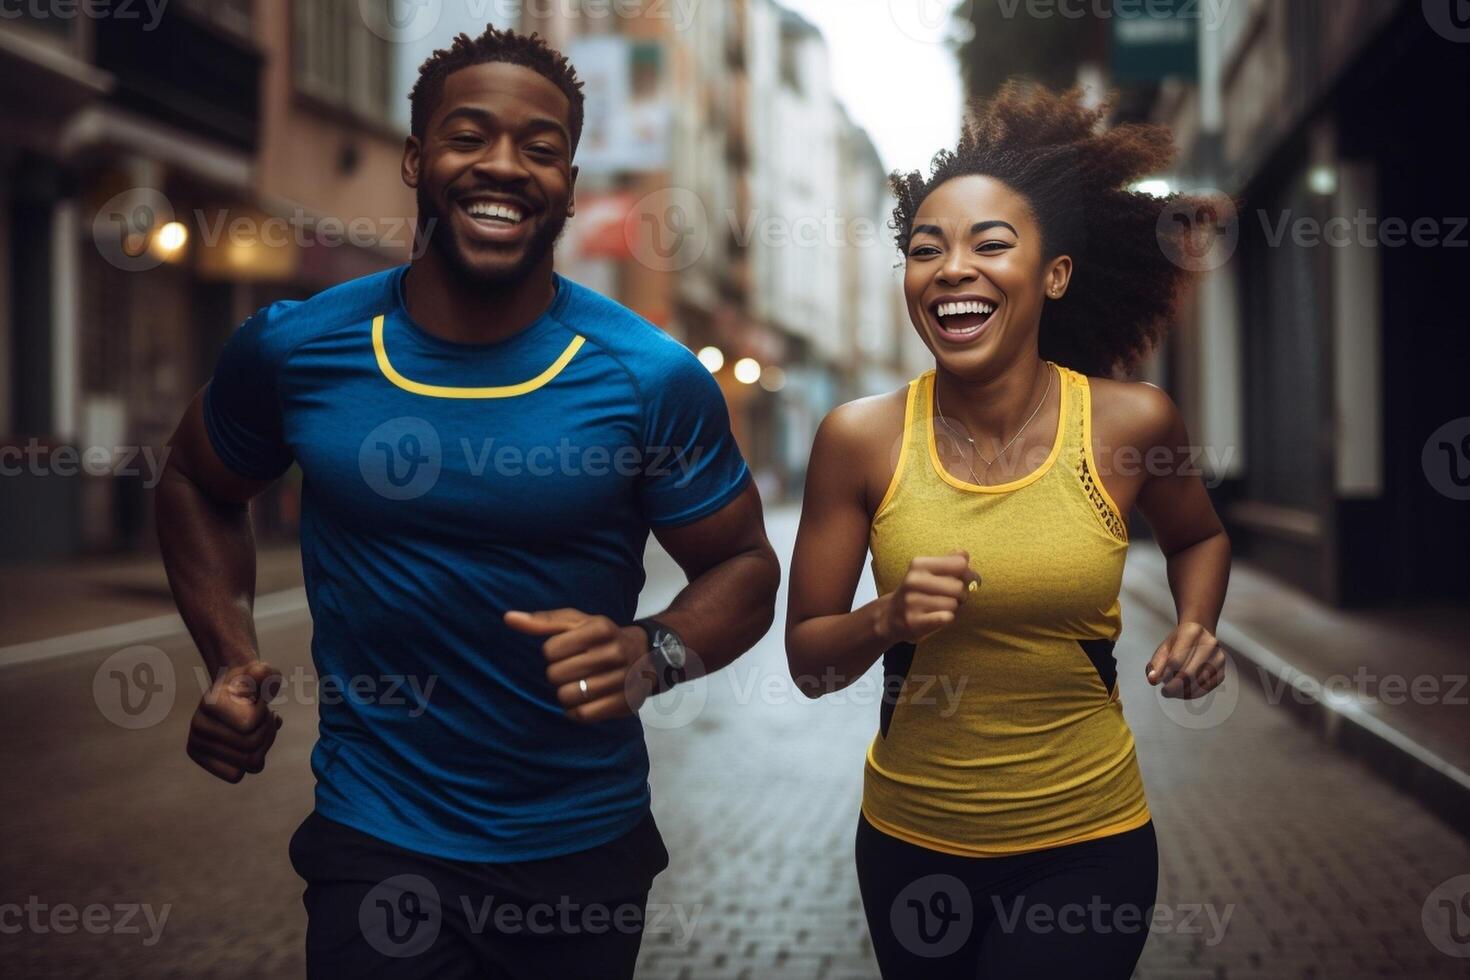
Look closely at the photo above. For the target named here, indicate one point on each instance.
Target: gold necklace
(974, 450)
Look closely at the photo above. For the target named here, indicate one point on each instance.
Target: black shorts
(1080, 910)
(377, 910)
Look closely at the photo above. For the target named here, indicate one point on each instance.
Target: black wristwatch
(666, 652)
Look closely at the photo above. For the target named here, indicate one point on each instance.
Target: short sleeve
(242, 405)
(692, 465)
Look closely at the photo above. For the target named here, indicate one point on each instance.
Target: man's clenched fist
(234, 726)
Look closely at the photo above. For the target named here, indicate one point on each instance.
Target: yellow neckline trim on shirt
(447, 391)
(1016, 484)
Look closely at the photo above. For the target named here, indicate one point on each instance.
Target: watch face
(672, 649)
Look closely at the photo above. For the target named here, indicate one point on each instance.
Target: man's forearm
(724, 611)
(209, 553)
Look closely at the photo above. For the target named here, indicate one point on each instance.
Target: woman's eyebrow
(978, 228)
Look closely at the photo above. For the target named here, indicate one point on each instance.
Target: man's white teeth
(960, 309)
(482, 209)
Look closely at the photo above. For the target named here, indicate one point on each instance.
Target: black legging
(1081, 910)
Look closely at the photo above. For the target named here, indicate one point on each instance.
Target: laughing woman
(993, 492)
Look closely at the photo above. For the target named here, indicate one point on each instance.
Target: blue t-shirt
(443, 484)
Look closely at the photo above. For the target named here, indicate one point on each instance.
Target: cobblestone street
(1322, 870)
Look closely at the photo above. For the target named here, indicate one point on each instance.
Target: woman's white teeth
(481, 209)
(960, 309)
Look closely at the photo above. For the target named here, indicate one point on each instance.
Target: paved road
(1323, 871)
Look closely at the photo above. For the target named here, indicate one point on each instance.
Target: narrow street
(1280, 857)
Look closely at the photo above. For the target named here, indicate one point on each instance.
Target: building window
(338, 60)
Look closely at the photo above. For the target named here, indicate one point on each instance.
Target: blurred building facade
(1322, 356)
(169, 176)
(726, 196)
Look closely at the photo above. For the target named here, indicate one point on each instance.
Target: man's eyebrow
(485, 117)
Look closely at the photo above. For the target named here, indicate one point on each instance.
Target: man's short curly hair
(1075, 173)
(507, 46)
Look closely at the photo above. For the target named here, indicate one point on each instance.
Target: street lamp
(712, 358)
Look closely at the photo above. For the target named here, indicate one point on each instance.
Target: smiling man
(485, 447)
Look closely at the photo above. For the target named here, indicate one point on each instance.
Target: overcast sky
(892, 71)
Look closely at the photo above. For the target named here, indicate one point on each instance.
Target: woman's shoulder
(1131, 413)
(860, 438)
(857, 422)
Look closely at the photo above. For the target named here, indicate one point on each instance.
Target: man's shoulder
(284, 324)
(641, 345)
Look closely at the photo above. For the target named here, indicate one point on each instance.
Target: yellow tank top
(1007, 733)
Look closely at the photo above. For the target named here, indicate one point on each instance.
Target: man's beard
(441, 239)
